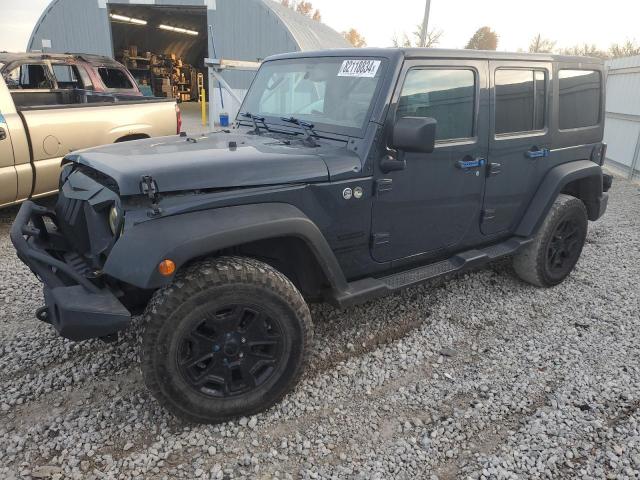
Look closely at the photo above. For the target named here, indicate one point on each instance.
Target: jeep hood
(217, 160)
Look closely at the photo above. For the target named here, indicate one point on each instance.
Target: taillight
(603, 155)
(178, 120)
(599, 153)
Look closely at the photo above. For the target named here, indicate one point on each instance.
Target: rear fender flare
(553, 183)
(135, 256)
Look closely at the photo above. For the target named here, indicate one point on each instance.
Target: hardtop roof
(439, 53)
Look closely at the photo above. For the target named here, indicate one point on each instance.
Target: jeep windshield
(334, 94)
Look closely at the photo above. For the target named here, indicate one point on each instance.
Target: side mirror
(415, 134)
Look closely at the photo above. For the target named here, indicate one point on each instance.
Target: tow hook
(42, 314)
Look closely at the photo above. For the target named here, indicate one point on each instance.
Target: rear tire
(555, 250)
(229, 337)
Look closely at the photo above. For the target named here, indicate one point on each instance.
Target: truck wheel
(229, 337)
(555, 250)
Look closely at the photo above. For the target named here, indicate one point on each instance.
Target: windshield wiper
(307, 127)
(255, 119)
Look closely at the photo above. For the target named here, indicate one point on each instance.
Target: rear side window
(446, 95)
(521, 99)
(28, 77)
(115, 78)
(580, 94)
(67, 76)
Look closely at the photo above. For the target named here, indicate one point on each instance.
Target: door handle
(536, 152)
(470, 162)
(3, 134)
(391, 164)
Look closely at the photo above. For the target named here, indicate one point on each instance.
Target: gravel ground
(479, 377)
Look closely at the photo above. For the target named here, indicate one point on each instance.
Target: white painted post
(425, 24)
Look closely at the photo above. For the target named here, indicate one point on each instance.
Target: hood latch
(149, 187)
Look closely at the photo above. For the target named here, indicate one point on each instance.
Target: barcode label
(359, 68)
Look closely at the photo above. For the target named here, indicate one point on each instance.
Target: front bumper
(78, 306)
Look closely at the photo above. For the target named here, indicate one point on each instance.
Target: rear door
(434, 203)
(519, 141)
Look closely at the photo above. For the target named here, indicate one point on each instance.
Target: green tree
(483, 39)
(541, 45)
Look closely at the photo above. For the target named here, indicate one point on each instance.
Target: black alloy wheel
(565, 246)
(557, 246)
(231, 351)
(229, 337)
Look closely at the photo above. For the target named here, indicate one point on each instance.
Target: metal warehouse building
(242, 30)
(622, 126)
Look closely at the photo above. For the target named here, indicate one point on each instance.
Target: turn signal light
(167, 268)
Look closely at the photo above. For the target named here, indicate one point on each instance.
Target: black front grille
(72, 222)
(70, 210)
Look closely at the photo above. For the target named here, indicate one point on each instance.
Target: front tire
(229, 337)
(555, 250)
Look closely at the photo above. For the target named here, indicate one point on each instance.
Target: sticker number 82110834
(359, 68)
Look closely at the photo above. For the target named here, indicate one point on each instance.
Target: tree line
(483, 39)
(486, 39)
(617, 50)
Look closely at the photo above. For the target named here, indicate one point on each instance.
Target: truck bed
(51, 99)
(39, 127)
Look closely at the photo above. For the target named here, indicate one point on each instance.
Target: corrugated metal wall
(73, 24)
(622, 127)
(243, 29)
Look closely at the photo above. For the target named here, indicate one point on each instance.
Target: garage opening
(163, 46)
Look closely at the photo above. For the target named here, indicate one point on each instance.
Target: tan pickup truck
(39, 126)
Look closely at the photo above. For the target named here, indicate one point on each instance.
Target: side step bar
(368, 288)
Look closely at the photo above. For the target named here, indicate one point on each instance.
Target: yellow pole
(203, 106)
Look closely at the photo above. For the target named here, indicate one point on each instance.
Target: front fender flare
(135, 256)
(551, 186)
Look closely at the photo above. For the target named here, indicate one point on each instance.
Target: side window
(580, 94)
(521, 98)
(446, 95)
(67, 76)
(114, 78)
(28, 77)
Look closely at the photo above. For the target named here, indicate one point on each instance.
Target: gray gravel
(479, 377)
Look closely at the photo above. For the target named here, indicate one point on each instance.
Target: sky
(568, 22)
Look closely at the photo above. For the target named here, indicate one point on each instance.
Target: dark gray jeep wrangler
(349, 174)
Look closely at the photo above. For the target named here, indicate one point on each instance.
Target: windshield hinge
(149, 187)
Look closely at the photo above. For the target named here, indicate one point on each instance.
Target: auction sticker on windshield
(359, 68)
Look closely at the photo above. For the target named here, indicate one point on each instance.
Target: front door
(519, 141)
(8, 175)
(434, 202)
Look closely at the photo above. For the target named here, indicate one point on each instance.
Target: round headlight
(114, 219)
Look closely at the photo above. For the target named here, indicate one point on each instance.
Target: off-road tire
(207, 285)
(532, 264)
